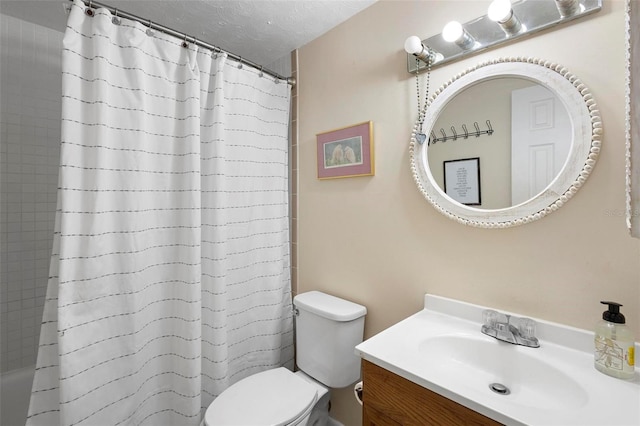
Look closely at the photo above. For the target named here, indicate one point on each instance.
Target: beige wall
(377, 241)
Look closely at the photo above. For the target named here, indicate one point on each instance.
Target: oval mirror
(507, 142)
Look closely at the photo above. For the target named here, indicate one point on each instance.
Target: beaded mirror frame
(586, 142)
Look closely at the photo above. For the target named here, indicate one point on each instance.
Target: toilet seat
(274, 397)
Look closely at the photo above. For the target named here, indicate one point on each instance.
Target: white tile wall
(30, 102)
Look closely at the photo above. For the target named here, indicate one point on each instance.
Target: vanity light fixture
(454, 32)
(504, 22)
(500, 11)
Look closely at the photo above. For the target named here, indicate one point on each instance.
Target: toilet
(327, 330)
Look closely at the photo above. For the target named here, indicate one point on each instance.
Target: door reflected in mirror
(527, 148)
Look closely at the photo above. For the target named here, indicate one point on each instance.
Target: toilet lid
(273, 397)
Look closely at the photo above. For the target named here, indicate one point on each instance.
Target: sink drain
(499, 388)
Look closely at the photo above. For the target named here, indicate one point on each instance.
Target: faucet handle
(527, 328)
(490, 318)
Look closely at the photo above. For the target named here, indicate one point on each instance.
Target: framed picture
(346, 152)
(462, 180)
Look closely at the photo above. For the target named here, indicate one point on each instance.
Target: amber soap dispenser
(614, 344)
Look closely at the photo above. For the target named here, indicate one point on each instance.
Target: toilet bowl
(331, 327)
(275, 397)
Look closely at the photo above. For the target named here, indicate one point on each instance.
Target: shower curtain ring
(184, 43)
(115, 19)
(240, 64)
(149, 30)
(89, 11)
(261, 73)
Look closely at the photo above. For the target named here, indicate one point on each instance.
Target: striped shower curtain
(170, 268)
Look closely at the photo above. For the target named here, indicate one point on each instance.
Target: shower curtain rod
(167, 30)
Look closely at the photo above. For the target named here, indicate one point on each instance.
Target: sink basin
(441, 348)
(479, 361)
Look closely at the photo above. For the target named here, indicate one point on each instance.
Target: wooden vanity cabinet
(391, 400)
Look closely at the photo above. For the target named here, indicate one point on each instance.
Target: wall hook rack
(464, 135)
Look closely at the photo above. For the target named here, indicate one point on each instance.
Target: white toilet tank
(327, 331)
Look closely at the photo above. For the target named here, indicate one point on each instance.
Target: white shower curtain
(170, 268)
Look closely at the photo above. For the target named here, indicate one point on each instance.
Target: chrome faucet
(518, 331)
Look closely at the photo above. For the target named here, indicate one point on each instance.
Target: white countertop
(595, 398)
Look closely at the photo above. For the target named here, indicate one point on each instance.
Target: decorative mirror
(508, 142)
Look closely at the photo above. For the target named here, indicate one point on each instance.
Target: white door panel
(540, 141)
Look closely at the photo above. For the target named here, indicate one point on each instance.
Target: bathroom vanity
(437, 367)
(391, 400)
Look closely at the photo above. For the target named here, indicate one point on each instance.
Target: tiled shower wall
(30, 99)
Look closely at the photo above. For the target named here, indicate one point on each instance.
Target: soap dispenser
(614, 344)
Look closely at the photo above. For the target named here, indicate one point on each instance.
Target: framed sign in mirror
(462, 180)
(525, 178)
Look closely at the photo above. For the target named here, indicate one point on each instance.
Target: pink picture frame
(346, 152)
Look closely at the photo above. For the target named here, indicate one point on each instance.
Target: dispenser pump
(613, 314)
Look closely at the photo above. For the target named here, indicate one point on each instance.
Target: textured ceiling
(262, 31)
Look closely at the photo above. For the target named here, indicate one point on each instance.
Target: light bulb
(452, 32)
(413, 45)
(455, 32)
(500, 10)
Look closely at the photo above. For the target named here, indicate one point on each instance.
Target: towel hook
(455, 135)
(444, 135)
(466, 132)
(490, 131)
(475, 124)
